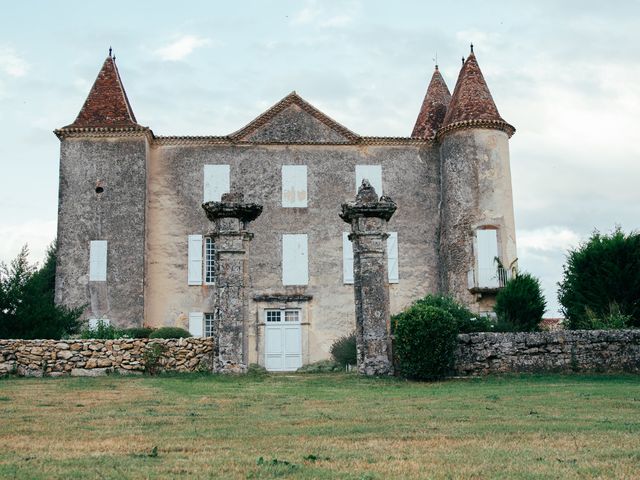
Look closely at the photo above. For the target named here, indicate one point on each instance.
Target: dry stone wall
(53, 358)
(563, 351)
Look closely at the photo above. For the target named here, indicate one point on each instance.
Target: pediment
(293, 120)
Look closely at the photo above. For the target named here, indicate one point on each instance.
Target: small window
(280, 316)
(373, 173)
(294, 186)
(292, 316)
(216, 182)
(274, 316)
(486, 255)
(209, 261)
(208, 324)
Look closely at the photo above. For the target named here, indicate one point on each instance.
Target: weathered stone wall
(564, 351)
(36, 358)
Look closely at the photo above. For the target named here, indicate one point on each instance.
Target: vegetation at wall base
(601, 279)
(344, 351)
(137, 332)
(102, 331)
(520, 305)
(170, 332)
(27, 308)
(425, 342)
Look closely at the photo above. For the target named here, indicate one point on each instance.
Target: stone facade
(562, 351)
(141, 195)
(89, 358)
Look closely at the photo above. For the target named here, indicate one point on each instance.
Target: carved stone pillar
(368, 217)
(230, 238)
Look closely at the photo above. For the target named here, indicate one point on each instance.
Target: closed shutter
(294, 186)
(295, 263)
(196, 320)
(392, 257)
(216, 182)
(195, 260)
(98, 261)
(347, 258)
(373, 173)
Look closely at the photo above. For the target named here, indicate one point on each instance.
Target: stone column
(368, 217)
(230, 218)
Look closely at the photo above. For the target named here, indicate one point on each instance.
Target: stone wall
(564, 351)
(36, 358)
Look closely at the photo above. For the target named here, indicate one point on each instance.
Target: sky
(565, 74)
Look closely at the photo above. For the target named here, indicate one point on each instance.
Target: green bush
(520, 304)
(425, 342)
(600, 273)
(344, 350)
(152, 358)
(613, 320)
(467, 322)
(102, 331)
(323, 366)
(170, 332)
(137, 332)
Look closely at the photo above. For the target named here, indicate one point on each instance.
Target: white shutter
(347, 258)
(216, 182)
(392, 257)
(295, 263)
(487, 243)
(196, 321)
(98, 261)
(294, 185)
(373, 173)
(195, 260)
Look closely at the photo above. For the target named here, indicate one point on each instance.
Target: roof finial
(472, 48)
(110, 49)
(436, 60)
(463, 61)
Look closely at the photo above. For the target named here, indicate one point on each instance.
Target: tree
(601, 280)
(520, 305)
(27, 308)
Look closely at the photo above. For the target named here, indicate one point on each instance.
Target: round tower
(477, 229)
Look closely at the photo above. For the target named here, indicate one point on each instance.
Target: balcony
(488, 280)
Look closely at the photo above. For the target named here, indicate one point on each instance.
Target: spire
(434, 107)
(472, 101)
(107, 104)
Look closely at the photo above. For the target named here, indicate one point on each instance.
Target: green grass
(320, 426)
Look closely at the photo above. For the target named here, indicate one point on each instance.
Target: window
(200, 262)
(216, 182)
(208, 325)
(486, 255)
(279, 316)
(209, 261)
(294, 186)
(98, 261)
(392, 258)
(373, 173)
(295, 264)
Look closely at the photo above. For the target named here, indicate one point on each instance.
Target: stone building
(133, 243)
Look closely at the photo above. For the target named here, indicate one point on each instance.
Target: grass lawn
(320, 426)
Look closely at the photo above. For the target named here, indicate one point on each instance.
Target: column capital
(368, 205)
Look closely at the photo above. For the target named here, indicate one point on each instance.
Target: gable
(292, 120)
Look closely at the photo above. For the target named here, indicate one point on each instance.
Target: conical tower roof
(107, 104)
(472, 104)
(434, 108)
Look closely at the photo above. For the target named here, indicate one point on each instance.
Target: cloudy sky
(565, 74)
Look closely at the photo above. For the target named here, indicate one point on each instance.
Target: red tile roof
(107, 104)
(434, 108)
(471, 98)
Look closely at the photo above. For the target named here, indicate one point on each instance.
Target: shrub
(602, 272)
(613, 320)
(520, 304)
(426, 339)
(323, 366)
(467, 322)
(256, 371)
(170, 332)
(344, 350)
(152, 358)
(137, 332)
(102, 331)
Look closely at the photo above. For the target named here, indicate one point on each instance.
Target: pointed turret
(107, 104)
(434, 108)
(472, 103)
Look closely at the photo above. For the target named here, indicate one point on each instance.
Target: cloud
(547, 239)
(312, 13)
(182, 47)
(11, 63)
(37, 234)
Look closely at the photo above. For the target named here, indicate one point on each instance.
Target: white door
(283, 340)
